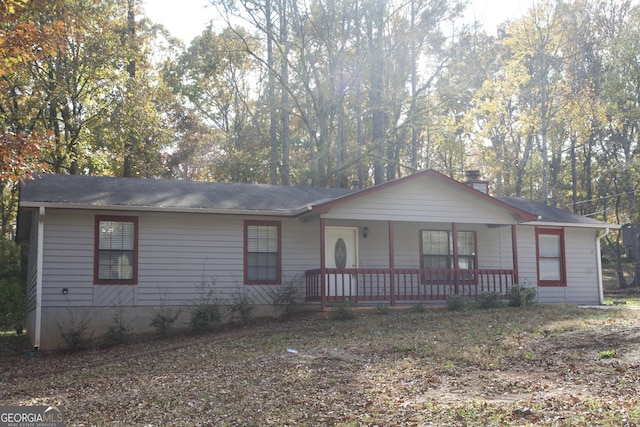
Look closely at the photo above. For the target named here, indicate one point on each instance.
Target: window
(116, 250)
(550, 250)
(437, 249)
(262, 252)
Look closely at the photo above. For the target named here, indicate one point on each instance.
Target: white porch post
(323, 266)
(39, 264)
(454, 238)
(392, 265)
(514, 244)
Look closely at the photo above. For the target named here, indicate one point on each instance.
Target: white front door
(341, 251)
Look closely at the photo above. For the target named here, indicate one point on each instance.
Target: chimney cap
(472, 175)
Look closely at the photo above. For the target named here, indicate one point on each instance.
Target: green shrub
(344, 311)
(118, 330)
(14, 305)
(382, 309)
(420, 307)
(522, 296)
(163, 320)
(206, 315)
(489, 300)
(10, 266)
(204, 318)
(457, 302)
(285, 299)
(74, 332)
(241, 309)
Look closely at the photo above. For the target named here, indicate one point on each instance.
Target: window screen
(262, 252)
(116, 254)
(437, 249)
(550, 257)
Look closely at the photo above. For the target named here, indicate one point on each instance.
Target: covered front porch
(399, 262)
(403, 285)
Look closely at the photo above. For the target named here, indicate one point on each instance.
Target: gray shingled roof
(178, 195)
(547, 213)
(87, 191)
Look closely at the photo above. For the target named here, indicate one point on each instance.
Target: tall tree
(23, 41)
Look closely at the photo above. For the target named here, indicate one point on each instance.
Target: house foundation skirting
(94, 322)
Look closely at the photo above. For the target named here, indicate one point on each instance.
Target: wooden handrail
(406, 284)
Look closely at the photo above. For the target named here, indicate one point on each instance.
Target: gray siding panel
(178, 255)
(581, 270)
(435, 203)
(32, 268)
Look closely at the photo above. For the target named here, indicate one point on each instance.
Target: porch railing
(405, 284)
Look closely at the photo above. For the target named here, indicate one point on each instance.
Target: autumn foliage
(22, 40)
(20, 155)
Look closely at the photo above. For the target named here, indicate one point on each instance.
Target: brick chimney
(473, 181)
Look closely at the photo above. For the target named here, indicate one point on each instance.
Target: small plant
(118, 330)
(607, 354)
(489, 300)
(206, 315)
(344, 311)
(14, 305)
(457, 302)
(420, 308)
(382, 309)
(522, 296)
(163, 321)
(241, 308)
(285, 299)
(74, 332)
(165, 316)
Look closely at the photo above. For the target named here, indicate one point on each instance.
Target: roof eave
(601, 226)
(286, 213)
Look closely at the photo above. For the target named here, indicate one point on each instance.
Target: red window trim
(276, 224)
(475, 244)
(96, 250)
(563, 266)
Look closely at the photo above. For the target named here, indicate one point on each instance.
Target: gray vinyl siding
(180, 256)
(32, 267)
(527, 263)
(581, 267)
(422, 200)
(68, 259)
(32, 274)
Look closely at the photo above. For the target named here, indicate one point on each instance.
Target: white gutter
(287, 213)
(571, 225)
(40, 263)
(599, 264)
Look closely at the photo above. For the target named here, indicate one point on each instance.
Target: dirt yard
(562, 366)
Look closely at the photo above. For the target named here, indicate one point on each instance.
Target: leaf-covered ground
(560, 366)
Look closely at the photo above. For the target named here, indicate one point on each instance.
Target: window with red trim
(116, 250)
(550, 254)
(262, 253)
(437, 249)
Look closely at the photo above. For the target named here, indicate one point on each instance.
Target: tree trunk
(129, 144)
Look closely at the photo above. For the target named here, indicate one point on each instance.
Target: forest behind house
(330, 93)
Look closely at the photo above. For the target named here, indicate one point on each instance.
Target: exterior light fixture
(365, 231)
